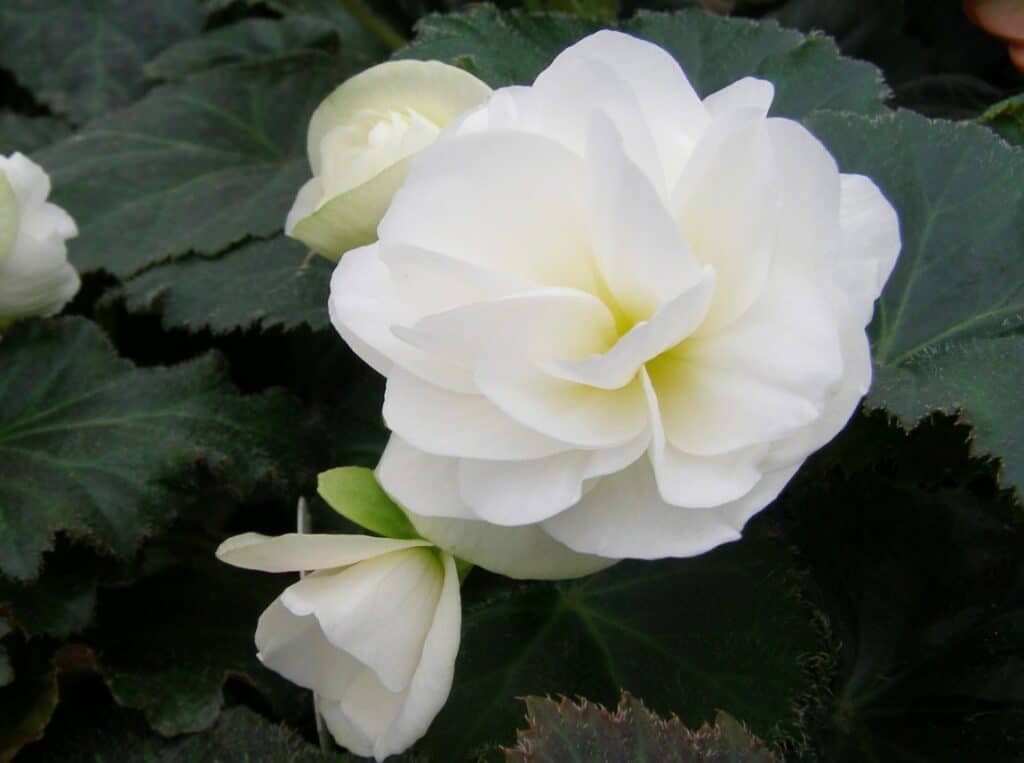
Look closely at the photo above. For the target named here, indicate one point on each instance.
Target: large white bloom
(374, 631)
(35, 276)
(360, 141)
(614, 319)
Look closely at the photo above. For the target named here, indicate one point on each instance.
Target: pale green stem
(376, 25)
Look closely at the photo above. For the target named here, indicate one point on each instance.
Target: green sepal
(353, 492)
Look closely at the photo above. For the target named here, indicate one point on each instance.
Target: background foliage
(194, 389)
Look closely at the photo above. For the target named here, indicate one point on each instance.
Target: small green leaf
(270, 284)
(353, 492)
(194, 166)
(27, 134)
(1007, 119)
(958, 285)
(725, 629)
(104, 452)
(84, 59)
(567, 731)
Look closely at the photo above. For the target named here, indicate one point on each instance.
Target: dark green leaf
(26, 134)
(167, 645)
(919, 574)
(513, 48)
(959, 281)
(250, 40)
(93, 447)
(61, 602)
(353, 492)
(1007, 119)
(84, 59)
(689, 636)
(269, 284)
(564, 731)
(194, 166)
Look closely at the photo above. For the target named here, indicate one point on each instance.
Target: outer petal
(365, 307)
(746, 94)
(299, 553)
(378, 611)
(668, 103)
(624, 516)
(525, 553)
(8, 217)
(432, 681)
(870, 232)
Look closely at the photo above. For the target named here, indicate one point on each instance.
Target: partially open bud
(35, 276)
(360, 141)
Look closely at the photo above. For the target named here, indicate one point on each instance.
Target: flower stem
(375, 24)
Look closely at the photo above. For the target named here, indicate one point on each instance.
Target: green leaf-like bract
(353, 492)
(946, 334)
(512, 48)
(194, 166)
(688, 635)
(93, 447)
(84, 59)
(564, 732)
(274, 283)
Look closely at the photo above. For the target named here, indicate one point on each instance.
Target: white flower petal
(745, 94)
(299, 553)
(421, 482)
(668, 103)
(508, 202)
(725, 206)
(454, 424)
(523, 553)
(378, 611)
(642, 254)
(870, 244)
(668, 327)
(624, 516)
(432, 682)
(585, 416)
(699, 482)
(364, 307)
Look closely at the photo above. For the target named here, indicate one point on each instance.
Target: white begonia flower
(614, 319)
(360, 141)
(36, 278)
(373, 631)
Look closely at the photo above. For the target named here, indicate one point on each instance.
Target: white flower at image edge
(360, 141)
(373, 631)
(614, 319)
(35, 276)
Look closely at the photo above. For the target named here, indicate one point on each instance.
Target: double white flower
(373, 631)
(614, 319)
(35, 276)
